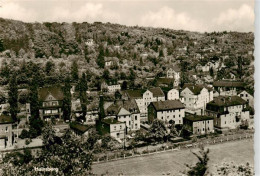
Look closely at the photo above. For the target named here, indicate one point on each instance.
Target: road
(173, 163)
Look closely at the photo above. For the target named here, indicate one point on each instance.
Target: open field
(238, 152)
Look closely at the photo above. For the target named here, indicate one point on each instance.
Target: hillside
(133, 46)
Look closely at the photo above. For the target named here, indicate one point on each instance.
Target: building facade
(195, 97)
(51, 100)
(6, 134)
(199, 125)
(228, 112)
(144, 97)
(173, 94)
(169, 110)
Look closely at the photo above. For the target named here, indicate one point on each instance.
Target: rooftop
(55, 91)
(227, 101)
(5, 119)
(196, 118)
(228, 83)
(79, 127)
(111, 121)
(167, 105)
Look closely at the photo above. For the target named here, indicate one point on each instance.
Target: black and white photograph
(127, 87)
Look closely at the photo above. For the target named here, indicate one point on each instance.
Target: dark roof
(129, 105)
(135, 93)
(167, 105)
(195, 118)
(227, 83)
(195, 88)
(157, 92)
(5, 119)
(55, 91)
(165, 81)
(79, 127)
(111, 121)
(227, 101)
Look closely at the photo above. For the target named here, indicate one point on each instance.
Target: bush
(28, 141)
(24, 134)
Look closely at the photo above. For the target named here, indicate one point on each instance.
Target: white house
(173, 94)
(195, 97)
(175, 73)
(228, 112)
(6, 134)
(126, 112)
(247, 97)
(227, 87)
(144, 97)
(168, 110)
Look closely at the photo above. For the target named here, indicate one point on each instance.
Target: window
(162, 118)
(225, 122)
(203, 129)
(167, 117)
(6, 129)
(208, 121)
(208, 128)
(114, 127)
(136, 117)
(198, 130)
(120, 127)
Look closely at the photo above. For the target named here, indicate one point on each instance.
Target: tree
(101, 108)
(106, 74)
(66, 153)
(240, 66)
(67, 99)
(74, 71)
(33, 97)
(161, 53)
(132, 75)
(13, 97)
(158, 130)
(124, 85)
(100, 58)
(49, 66)
(201, 166)
(1, 45)
(83, 87)
(211, 71)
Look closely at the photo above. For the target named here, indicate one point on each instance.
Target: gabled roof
(122, 107)
(196, 118)
(157, 92)
(5, 119)
(135, 93)
(167, 105)
(195, 88)
(79, 127)
(227, 101)
(227, 83)
(55, 91)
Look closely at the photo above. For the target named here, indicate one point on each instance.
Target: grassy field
(173, 163)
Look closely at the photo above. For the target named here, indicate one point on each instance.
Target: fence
(179, 146)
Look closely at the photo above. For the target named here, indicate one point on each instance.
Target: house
(144, 97)
(6, 134)
(195, 97)
(89, 42)
(110, 86)
(198, 124)
(111, 61)
(173, 94)
(111, 127)
(92, 111)
(247, 97)
(168, 110)
(174, 72)
(228, 87)
(125, 111)
(228, 111)
(80, 129)
(51, 100)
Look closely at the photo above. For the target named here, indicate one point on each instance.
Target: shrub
(24, 134)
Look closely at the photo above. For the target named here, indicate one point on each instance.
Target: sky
(192, 15)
